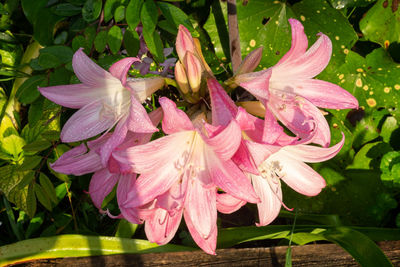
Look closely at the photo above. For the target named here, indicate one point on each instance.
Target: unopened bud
(200, 55)
(193, 71)
(251, 61)
(184, 42)
(180, 77)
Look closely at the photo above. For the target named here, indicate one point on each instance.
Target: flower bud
(193, 71)
(180, 77)
(184, 42)
(251, 61)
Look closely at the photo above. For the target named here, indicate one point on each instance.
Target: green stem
(221, 28)
(11, 219)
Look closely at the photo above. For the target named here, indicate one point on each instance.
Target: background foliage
(37, 42)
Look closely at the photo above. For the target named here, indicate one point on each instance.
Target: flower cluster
(214, 157)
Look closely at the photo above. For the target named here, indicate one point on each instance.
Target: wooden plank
(308, 255)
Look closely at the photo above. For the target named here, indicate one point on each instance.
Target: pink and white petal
(90, 73)
(120, 68)
(308, 153)
(101, 185)
(228, 204)
(138, 120)
(200, 205)
(246, 121)
(150, 157)
(299, 42)
(260, 152)
(175, 120)
(298, 175)
(223, 107)
(307, 65)
(161, 227)
(227, 176)
(77, 162)
(143, 88)
(184, 42)
(324, 94)
(114, 141)
(226, 142)
(209, 244)
(87, 122)
(74, 95)
(244, 160)
(259, 86)
(270, 194)
(272, 129)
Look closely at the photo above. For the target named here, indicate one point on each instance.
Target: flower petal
(115, 140)
(161, 227)
(138, 120)
(120, 68)
(228, 204)
(299, 42)
(86, 122)
(223, 107)
(270, 195)
(324, 94)
(184, 42)
(100, 186)
(143, 88)
(244, 160)
(90, 73)
(77, 161)
(298, 175)
(175, 120)
(259, 85)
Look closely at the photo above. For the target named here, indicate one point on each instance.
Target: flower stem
(234, 40)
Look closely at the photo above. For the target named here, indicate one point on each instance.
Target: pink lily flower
(290, 92)
(194, 157)
(104, 99)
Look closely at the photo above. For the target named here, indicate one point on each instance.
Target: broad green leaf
(363, 249)
(390, 167)
(78, 246)
(100, 41)
(29, 163)
(175, 16)
(90, 34)
(388, 127)
(154, 43)
(35, 111)
(373, 80)
(66, 9)
(125, 229)
(133, 11)
(37, 146)
(369, 156)
(381, 24)
(340, 4)
(109, 9)
(61, 38)
(91, 10)
(42, 197)
(34, 224)
(12, 145)
(48, 187)
(27, 93)
(149, 16)
(131, 42)
(114, 39)
(119, 14)
(80, 42)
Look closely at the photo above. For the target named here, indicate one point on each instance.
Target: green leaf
(78, 246)
(390, 167)
(369, 156)
(119, 14)
(388, 127)
(48, 187)
(34, 224)
(133, 13)
(27, 93)
(66, 10)
(373, 80)
(91, 10)
(12, 145)
(131, 42)
(149, 16)
(175, 16)
(154, 43)
(363, 249)
(36, 146)
(109, 9)
(80, 42)
(29, 163)
(381, 24)
(340, 4)
(35, 111)
(42, 197)
(100, 41)
(125, 229)
(63, 53)
(114, 39)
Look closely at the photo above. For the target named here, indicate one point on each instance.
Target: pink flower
(104, 99)
(195, 158)
(290, 92)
